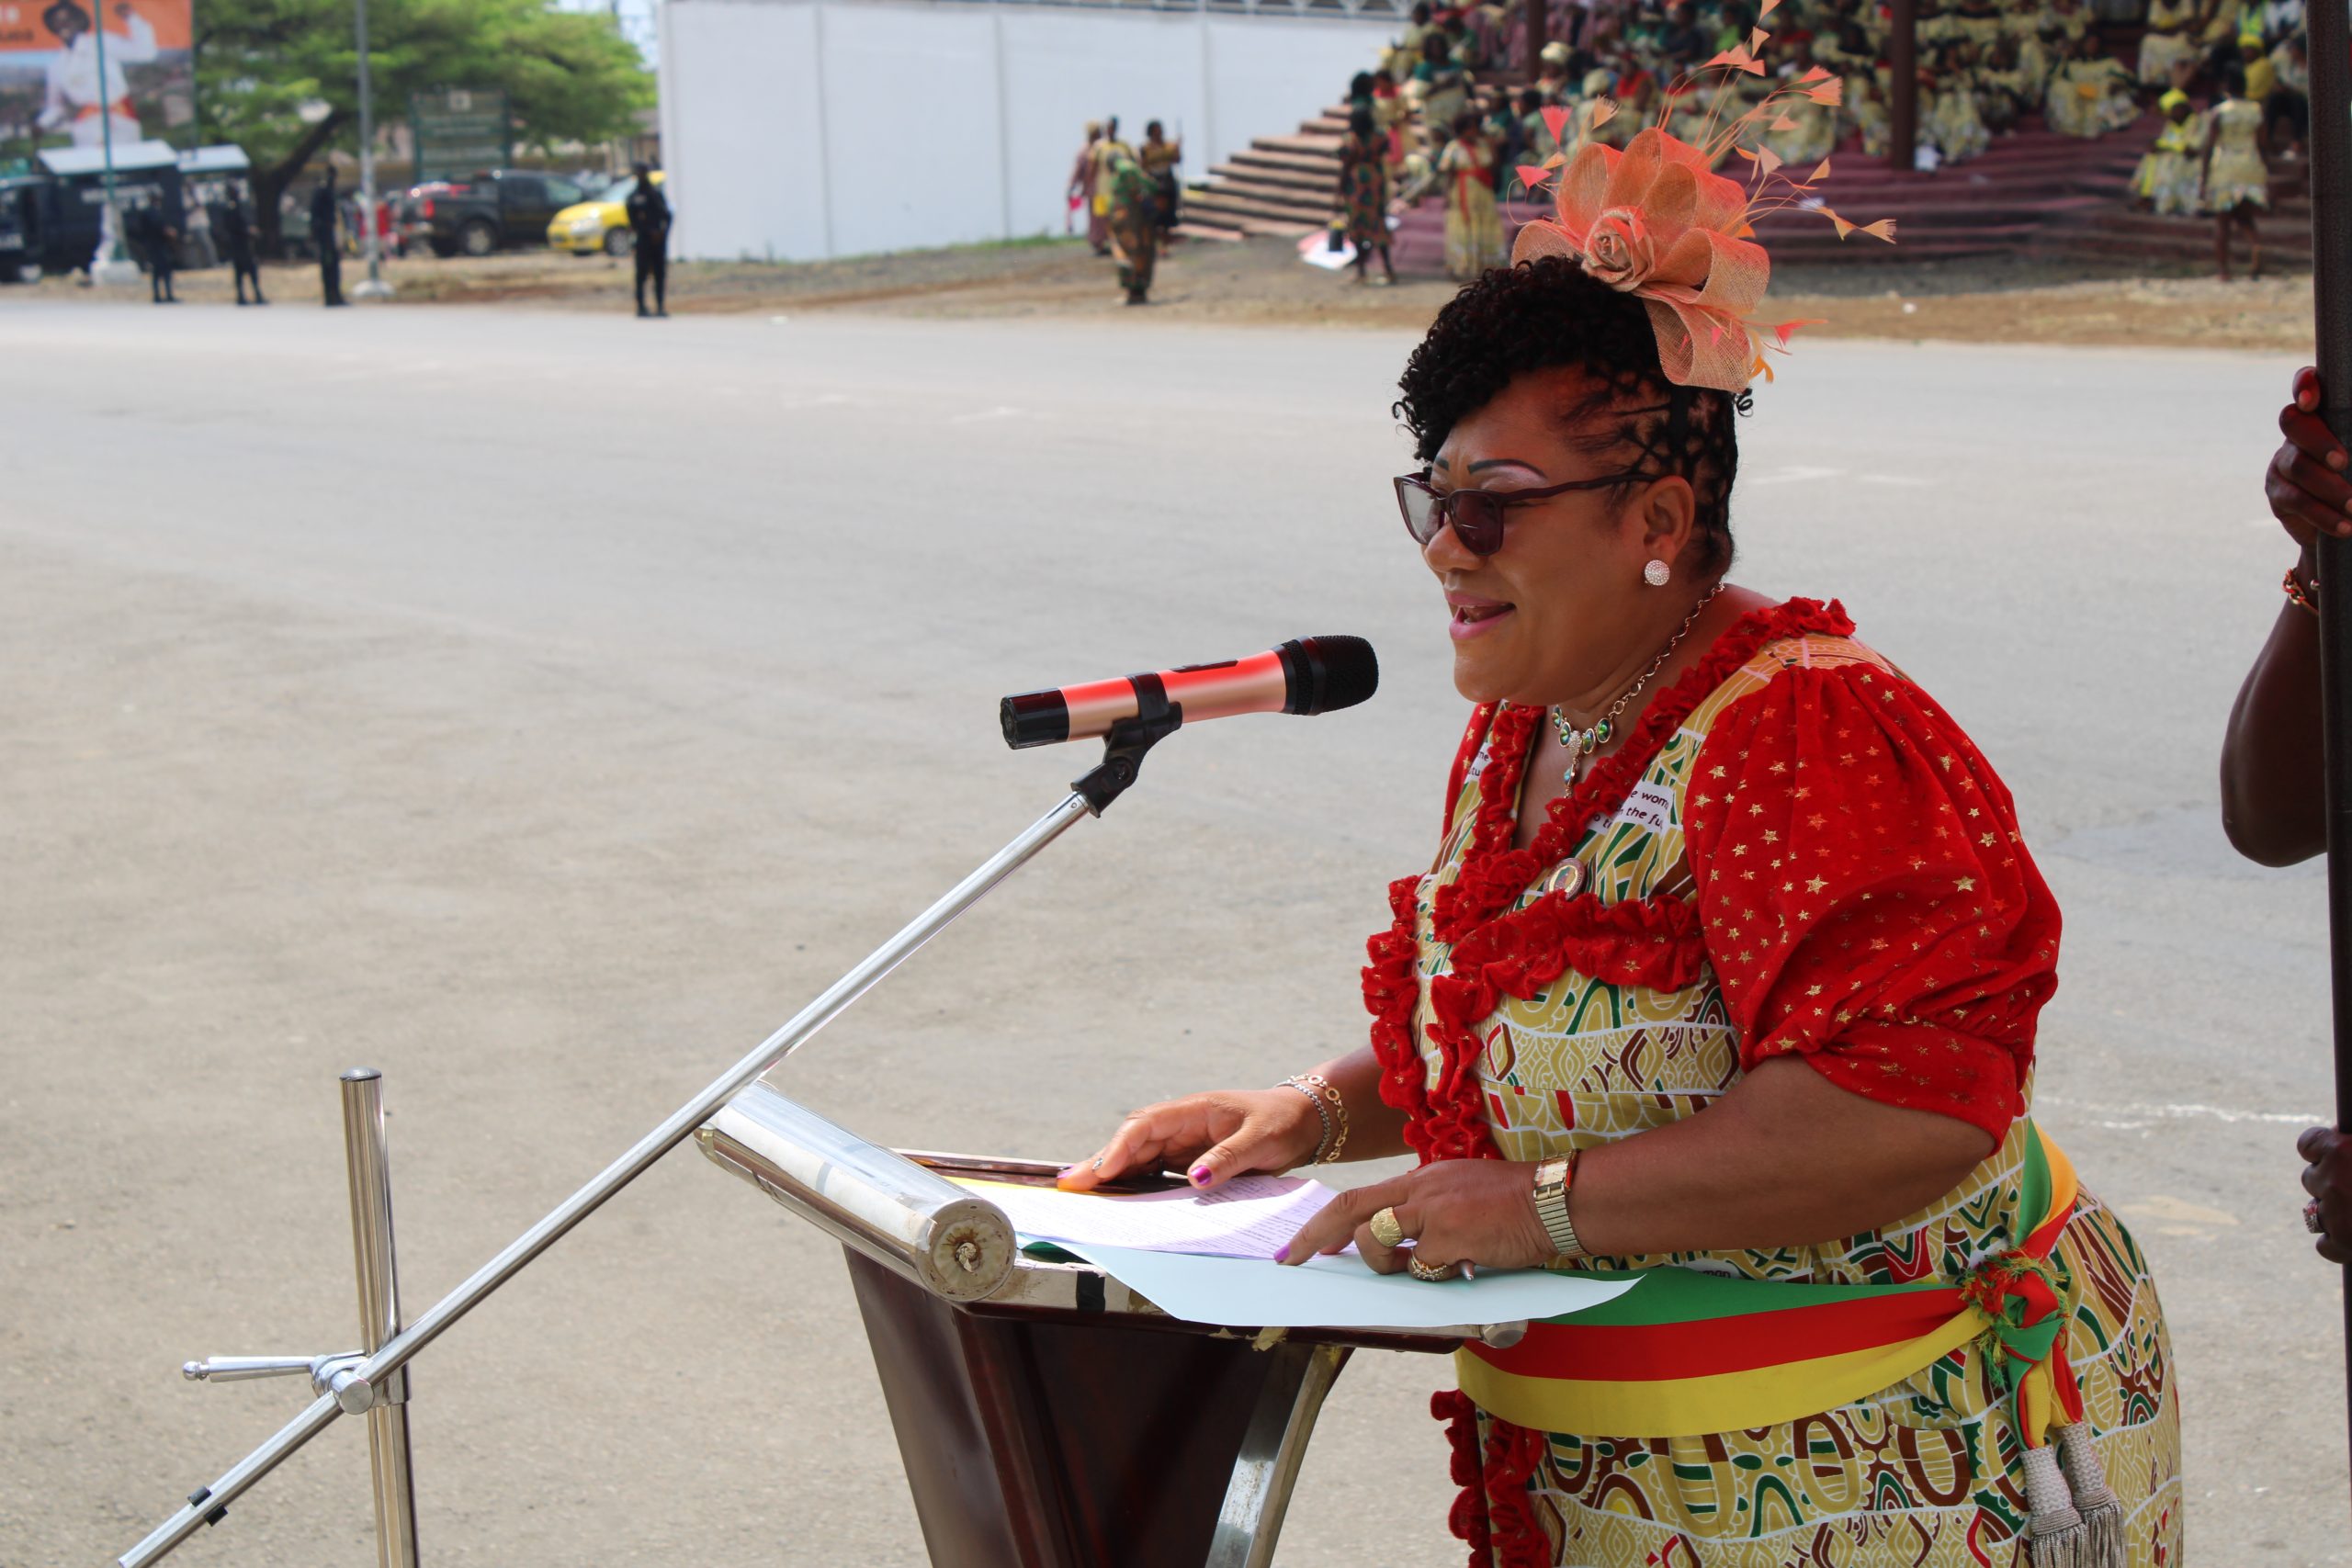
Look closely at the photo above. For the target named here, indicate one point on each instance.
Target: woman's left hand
(1476, 1212)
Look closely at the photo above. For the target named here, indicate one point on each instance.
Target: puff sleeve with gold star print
(1867, 901)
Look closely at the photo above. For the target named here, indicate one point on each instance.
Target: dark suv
(488, 212)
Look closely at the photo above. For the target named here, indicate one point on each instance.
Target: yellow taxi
(600, 223)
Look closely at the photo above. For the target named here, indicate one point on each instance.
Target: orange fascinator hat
(1657, 222)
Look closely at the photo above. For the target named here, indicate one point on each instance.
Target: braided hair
(1549, 314)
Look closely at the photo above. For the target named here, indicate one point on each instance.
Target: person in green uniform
(1134, 214)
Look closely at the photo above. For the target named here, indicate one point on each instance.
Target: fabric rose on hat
(1617, 249)
(1657, 222)
(1654, 221)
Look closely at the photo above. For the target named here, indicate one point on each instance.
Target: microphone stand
(351, 1383)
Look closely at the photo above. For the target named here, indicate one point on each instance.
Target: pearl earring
(1656, 573)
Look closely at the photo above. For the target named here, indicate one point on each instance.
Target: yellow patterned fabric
(2236, 176)
(1927, 1473)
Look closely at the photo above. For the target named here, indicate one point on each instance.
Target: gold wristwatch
(1552, 1179)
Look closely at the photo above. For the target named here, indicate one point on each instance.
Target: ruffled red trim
(1493, 875)
(1467, 1517)
(1391, 992)
(1655, 942)
(1464, 755)
(1492, 1515)
(1650, 942)
(1512, 1454)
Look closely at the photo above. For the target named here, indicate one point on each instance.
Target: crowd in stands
(2250, 65)
(1435, 117)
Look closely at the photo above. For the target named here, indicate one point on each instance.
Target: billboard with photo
(54, 93)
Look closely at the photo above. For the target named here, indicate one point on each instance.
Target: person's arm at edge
(2272, 807)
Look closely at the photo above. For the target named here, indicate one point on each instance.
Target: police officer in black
(235, 232)
(323, 235)
(648, 221)
(153, 237)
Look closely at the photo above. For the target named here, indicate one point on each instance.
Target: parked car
(599, 223)
(494, 209)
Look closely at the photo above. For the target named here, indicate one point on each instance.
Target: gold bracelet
(2297, 594)
(1319, 1092)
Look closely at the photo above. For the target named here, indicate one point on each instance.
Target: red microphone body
(1304, 675)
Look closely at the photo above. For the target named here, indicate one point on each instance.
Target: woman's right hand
(2307, 484)
(1214, 1138)
(2327, 1177)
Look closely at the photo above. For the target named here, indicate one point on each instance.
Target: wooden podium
(1048, 1416)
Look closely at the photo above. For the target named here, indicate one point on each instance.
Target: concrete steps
(1281, 186)
(1260, 177)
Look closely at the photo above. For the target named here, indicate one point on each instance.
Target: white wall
(757, 170)
(795, 129)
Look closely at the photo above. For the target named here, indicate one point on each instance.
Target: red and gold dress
(1796, 852)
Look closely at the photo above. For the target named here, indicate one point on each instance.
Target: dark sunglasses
(1476, 515)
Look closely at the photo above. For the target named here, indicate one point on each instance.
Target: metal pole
(353, 1390)
(1903, 71)
(2330, 174)
(370, 240)
(1250, 1522)
(370, 1169)
(106, 134)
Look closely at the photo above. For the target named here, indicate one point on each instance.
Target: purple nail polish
(1283, 1255)
(1199, 1175)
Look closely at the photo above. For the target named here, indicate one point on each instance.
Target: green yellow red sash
(1688, 1353)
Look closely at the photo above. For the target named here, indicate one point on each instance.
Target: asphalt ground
(542, 707)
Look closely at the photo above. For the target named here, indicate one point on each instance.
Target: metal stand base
(376, 1383)
(335, 1378)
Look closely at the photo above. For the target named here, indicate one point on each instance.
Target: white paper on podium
(1338, 1293)
(1250, 1216)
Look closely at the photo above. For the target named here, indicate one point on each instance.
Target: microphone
(1307, 674)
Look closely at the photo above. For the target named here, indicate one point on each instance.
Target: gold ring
(1385, 1228)
(1421, 1271)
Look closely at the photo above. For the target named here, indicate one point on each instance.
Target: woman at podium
(1725, 973)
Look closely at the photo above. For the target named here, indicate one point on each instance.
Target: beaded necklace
(1583, 743)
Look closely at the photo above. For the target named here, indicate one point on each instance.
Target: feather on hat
(1657, 222)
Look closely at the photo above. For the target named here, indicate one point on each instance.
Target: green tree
(280, 77)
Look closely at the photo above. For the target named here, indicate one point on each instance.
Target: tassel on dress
(2057, 1535)
(2102, 1511)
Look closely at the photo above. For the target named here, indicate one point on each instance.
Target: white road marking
(2131, 1118)
(1794, 472)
